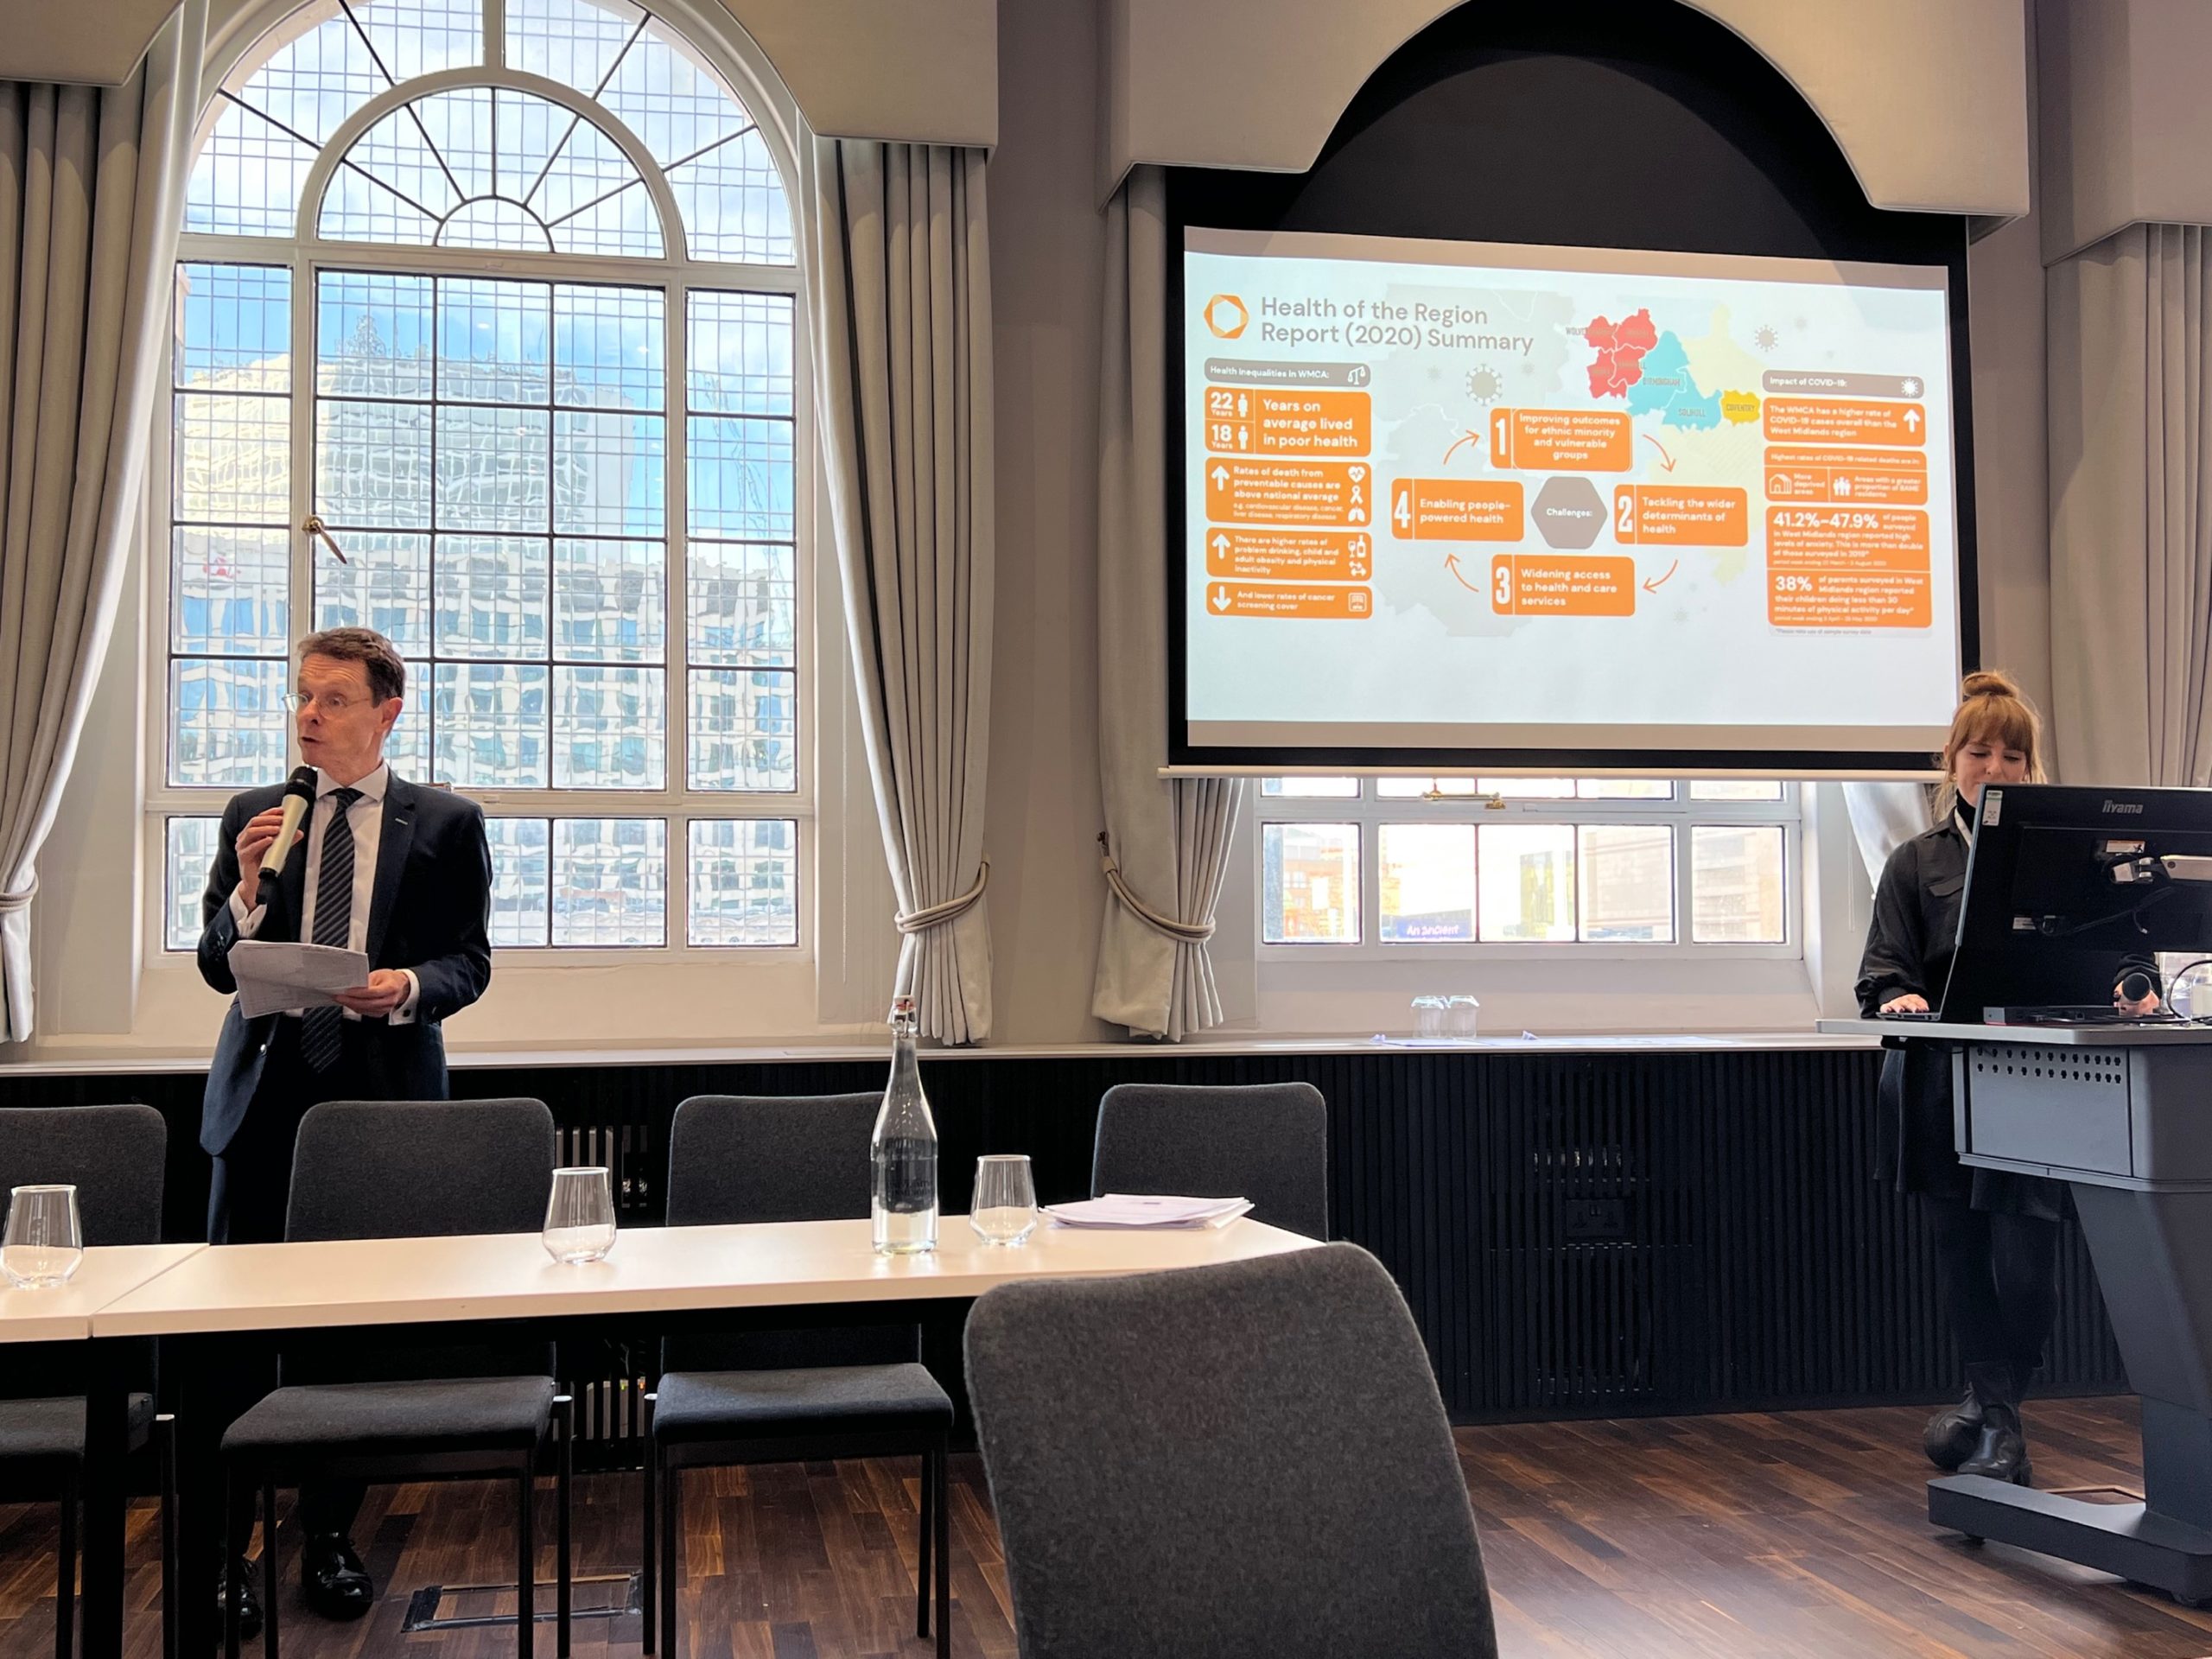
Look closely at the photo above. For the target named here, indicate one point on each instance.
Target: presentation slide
(1461, 495)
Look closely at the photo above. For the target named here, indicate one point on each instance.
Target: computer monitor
(2065, 883)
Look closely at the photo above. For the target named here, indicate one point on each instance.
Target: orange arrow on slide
(1652, 587)
(1471, 437)
(1452, 563)
(1666, 461)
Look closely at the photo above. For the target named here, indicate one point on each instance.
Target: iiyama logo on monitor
(2123, 806)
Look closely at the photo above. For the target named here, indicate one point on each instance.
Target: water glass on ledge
(43, 1243)
(579, 1216)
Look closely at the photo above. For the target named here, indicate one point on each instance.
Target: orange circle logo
(1226, 316)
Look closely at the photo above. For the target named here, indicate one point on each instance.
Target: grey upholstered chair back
(113, 1155)
(421, 1169)
(1266, 1141)
(748, 1158)
(1248, 1462)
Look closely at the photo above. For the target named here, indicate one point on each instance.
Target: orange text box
(1844, 420)
(1456, 510)
(1880, 477)
(1553, 584)
(1334, 492)
(1848, 599)
(1299, 555)
(1244, 599)
(1276, 423)
(1551, 440)
(1681, 515)
(1839, 539)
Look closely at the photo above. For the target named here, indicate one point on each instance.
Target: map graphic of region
(1620, 347)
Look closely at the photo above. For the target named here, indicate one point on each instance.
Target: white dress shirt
(365, 816)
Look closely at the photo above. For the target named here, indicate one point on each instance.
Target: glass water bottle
(903, 1153)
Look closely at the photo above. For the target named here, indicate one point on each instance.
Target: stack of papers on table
(1126, 1210)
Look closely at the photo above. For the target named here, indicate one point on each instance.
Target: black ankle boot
(1955, 1433)
(2000, 1452)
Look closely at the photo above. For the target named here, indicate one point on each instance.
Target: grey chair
(787, 1396)
(114, 1157)
(1247, 1461)
(466, 1410)
(1265, 1142)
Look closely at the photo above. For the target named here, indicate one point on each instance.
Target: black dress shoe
(336, 1583)
(1954, 1433)
(238, 1579)
(2001, 1451)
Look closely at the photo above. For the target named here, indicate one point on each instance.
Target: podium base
(2129, 1540)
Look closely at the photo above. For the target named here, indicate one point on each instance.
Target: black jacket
(429, 911)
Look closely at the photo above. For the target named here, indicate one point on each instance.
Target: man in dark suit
(401, 874)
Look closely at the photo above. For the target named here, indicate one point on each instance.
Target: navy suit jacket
(429, 911)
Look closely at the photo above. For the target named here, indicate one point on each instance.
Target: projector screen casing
(1458, 139)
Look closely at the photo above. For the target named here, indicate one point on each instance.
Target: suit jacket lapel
(393, 840)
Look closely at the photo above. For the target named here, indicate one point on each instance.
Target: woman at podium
(1995, 1234)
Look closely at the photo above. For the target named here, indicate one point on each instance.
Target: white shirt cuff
(249, 921)
(404, 1013)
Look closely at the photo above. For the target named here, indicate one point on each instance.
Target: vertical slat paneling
(1576, 1234)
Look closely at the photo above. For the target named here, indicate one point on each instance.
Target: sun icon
(1766, 338)
(1485, 385)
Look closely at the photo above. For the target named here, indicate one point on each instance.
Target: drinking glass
(1463, 1014)
(579, 1216)
(1004, 1210)
(44, 1243)
(1428, 1016)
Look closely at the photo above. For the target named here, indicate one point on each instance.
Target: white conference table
(64, 1312)
(363, 1290)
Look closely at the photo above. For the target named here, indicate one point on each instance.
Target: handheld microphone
(298, 797)
(2135, 987)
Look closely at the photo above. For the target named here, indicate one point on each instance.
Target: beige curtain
(92, 186)
(2131, 531)
(900, 286)
(1165, 843)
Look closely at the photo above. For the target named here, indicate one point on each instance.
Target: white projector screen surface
(1462, 496)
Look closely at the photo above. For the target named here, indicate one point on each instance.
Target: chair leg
(942, 1490)
(525, 1564)
(563, 1472)
(671, 1557)
(172, 1572)
(65, 1589)
(268, 1590)
(649, 1601)
(924, 1514)
(233, 1560)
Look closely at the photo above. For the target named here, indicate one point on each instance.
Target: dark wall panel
(1576, 1235)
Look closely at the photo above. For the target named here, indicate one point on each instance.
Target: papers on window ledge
(1127, 1210)
(275, 976)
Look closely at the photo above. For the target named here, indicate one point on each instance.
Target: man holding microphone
(377, 865)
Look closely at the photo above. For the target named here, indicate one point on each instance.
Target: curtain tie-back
(15, 901)
(1182, 932)
(914, 921)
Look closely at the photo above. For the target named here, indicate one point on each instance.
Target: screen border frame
(1800, 764)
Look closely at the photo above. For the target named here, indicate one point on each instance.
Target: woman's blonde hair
(1991, 711)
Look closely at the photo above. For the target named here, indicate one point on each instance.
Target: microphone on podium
(2135, 987)
(298, 797)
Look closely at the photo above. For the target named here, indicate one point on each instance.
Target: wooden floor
(1778, 1535)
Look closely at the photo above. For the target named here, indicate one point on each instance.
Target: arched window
(504, 294)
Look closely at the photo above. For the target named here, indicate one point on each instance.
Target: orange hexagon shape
(1226, 316)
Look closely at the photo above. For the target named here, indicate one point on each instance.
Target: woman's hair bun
(1990, 683)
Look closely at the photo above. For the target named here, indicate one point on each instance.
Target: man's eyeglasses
(332, 705)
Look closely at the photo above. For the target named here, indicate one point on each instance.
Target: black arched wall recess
(1605, 123)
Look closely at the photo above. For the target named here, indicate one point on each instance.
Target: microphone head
(2135, 987)
(302, 783)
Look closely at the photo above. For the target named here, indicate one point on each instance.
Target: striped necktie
(322, 1030)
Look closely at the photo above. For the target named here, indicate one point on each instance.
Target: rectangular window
(1428, 882)
(1736, 884)
(1312, 883)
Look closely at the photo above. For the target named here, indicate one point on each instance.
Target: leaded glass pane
(744, 727)
(610, 728)
(610, 881)
(744, 884)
